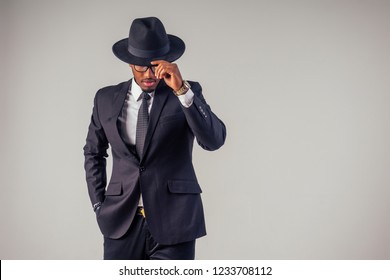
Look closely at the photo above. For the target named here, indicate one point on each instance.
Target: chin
(148, 90)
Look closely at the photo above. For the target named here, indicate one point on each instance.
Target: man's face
(145, 78)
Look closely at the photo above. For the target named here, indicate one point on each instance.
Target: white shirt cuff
(187, 99)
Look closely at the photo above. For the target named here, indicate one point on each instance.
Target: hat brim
(176, 50)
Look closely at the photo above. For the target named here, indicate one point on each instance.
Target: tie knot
(145, 95)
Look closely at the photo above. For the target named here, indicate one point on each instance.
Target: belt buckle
(142, 211)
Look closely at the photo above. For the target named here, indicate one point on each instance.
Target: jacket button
(142, 168)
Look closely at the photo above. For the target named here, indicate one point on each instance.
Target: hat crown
(148, 38)
(147, 42)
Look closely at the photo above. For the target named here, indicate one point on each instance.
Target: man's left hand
(169, 72)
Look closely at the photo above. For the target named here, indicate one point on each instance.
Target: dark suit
(165, 175)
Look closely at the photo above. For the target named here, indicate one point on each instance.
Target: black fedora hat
(148, 41)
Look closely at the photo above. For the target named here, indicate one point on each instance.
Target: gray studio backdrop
(304, 90)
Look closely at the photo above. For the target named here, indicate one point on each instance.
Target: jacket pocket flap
(114, 189)
(184, 187)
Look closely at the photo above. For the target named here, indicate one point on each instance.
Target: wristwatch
(184, 88)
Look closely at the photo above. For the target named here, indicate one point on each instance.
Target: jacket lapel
(119, 100)
(117, 105)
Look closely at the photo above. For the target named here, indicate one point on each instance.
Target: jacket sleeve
(209, 130)
(95, 153)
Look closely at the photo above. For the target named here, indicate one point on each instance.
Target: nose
(149, 73)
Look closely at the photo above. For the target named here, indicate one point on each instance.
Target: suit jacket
(164, 175)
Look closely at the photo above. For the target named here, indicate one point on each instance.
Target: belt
(141, 211)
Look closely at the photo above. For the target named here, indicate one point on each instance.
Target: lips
(149, 82)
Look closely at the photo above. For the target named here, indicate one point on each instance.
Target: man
(151, 207)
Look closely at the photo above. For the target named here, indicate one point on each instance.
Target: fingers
(169, 72)
(165, 69)
(162, 69)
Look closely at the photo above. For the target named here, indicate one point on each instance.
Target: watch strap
(184, 88)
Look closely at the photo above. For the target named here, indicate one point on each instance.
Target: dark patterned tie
(142, 124)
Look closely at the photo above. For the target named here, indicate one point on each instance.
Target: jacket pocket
(185, 187)
(114, 189)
